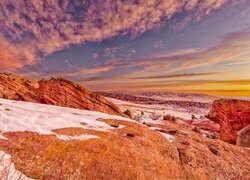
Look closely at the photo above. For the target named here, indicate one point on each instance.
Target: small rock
(114, 125)
(185, 143)
(130, 135)
(196, 129)
(212, 136)
(146, 124)
(172, 132)
(214, 150)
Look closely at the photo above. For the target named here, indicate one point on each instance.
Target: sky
(198, 46)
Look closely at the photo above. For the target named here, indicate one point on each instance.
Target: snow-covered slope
(148, 110)
(79, 144)
(24, 116)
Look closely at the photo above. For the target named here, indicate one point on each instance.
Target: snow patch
(81, 137)
(169, 137)
(2, 137)
(7, 169)
(25, 116)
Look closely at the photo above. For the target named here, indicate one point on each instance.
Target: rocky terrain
(192, 103)
(64, 143)
(56, 91)
(64, 131)
(233, 116)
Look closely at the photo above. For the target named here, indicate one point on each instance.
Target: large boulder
(232, 115)
(243, 137)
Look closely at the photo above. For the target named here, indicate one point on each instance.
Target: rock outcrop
(243, 137)
(63, 92)
(207, 125)
(232, 115)
(132, 152)
(58, 92)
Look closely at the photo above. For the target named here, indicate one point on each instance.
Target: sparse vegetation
(196, 129)
(128, 113)
(193, 117)
(28, 81)
(5, 96)
(142, 113)
(168, 117)
(78, 87)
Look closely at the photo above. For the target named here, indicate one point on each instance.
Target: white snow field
(24, 116)
(150, 111)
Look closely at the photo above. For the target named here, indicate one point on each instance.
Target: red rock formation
(243, 137)
(58, 92)
(207, 125)
(18, 88)
(62, 92)
(132, 152)
(232, 115)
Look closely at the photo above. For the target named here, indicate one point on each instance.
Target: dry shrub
(168, 117)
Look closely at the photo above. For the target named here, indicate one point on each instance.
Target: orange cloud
(14, 56)
(174, 76)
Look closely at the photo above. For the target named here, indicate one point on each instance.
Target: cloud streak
(48, 26)
(174, 76)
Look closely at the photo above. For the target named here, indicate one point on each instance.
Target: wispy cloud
(173, 76)
(232, 51)
(223, 67)
(48, 26)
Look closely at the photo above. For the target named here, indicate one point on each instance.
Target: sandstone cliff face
(62, 92)
(58, 92)
(232, 115)
(18, 88)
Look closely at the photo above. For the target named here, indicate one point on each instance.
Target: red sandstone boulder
(243, 137)
(232, 115)
(208, 125)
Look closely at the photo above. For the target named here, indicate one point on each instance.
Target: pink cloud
(14, 56)
(48, 27)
